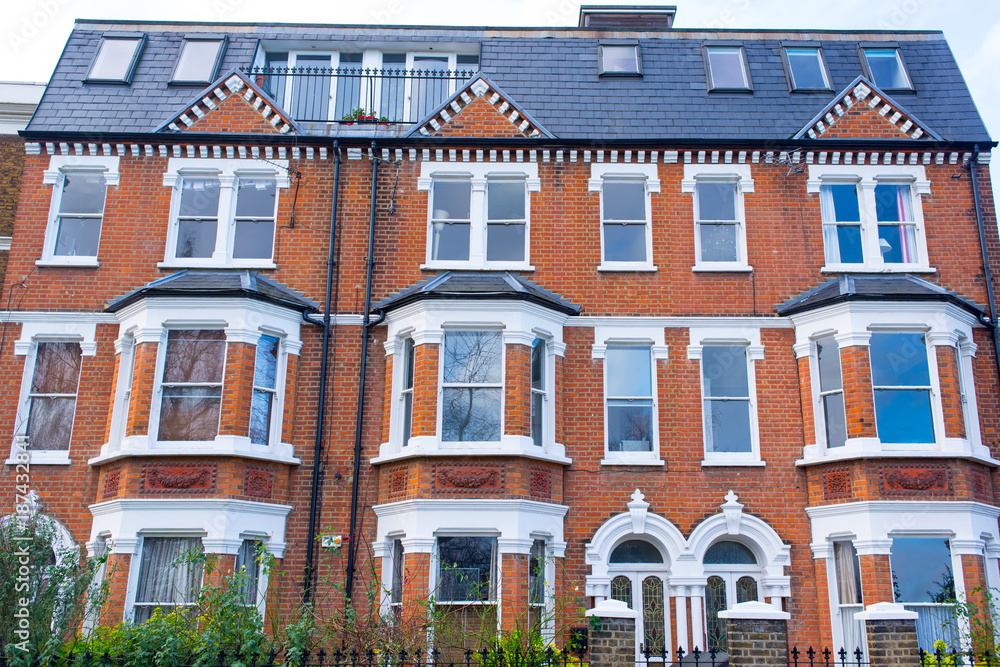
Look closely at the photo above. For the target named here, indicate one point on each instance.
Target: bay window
(170, 575)
(192, 384)
(472, 386)
(902, 385)
(831, 391)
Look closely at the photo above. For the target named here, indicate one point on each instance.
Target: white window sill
(880, 268)
(226, 445)
(59, 457)
(722, 267)
(868, 448)
(729, 463)
(460, 266)
(231, 264)
(508, 446)
(627, 266)
(650, 459)
(69, 262)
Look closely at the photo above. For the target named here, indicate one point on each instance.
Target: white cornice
(682, 322)
(20, 316)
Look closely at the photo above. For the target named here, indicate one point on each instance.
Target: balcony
(356, 101)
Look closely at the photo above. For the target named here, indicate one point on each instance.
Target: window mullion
(225, 228)
(477, 229)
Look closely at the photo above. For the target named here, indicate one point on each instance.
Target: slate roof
(551, 74)
(903, 287)
(478, 286)
(192, 283)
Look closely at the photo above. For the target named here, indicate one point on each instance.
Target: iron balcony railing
(318, 95)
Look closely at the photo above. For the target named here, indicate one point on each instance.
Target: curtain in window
(898, 243)
(830, 240)
(847, 574)
(169, 574)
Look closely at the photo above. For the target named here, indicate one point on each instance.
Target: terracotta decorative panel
(469, 478)
(258, 481)
(980, 486)
(112, 480)
(178, 478)
(837, 483)
(398, 480)
(915, 479)
(540, 483)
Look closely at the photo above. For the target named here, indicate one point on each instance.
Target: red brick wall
(237, 390)
(859, 402)
(951, 392)
(234, 114)
(517, 390)
(425, 389)
(479, 119)
(861, 121)
(876, 579)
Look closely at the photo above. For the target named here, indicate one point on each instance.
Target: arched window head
(636, 551)
(729, 553)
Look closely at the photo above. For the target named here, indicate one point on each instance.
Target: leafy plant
(360, 115)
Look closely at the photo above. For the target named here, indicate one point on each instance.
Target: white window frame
(263, 576)
(727, 173)
(790, 70)
(867, 177)
(479, 173)
(228, 172)
(55, 175)
(637, 335)
(136, 570)
(51, 328)
(736, 335)
(865, 48)
(599, 172)
(819, 412)
(501, 385)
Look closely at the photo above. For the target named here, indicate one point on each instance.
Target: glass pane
(311, 88)
(718, 243)
(619, 59)
(624, 200)
(624, 243)
(428, 85)
(537, 419)
(471, 415)
(538, 364)
(728, 426)
(727, 67)
(899, 359)
(536, 573)
(807, 69)
(393, 86)
(828, 361)
(505, 243)
(728, 552)
(836, 420)
(248, 567)
(254, 239)
(630, 425)
(78, 237)
(197, 60)
(170, 570)
(904, 415)
(921, 569)
(199, 198)
(450, 242)
(260, 417)
(505, 199)
(845, 558)
(266, 362)
(255, 198)
(897, 244)
(196, 238)
(473, 357)
(50, 423)
(635, 551)
(465, 568)
(652, 614)
(82, 192)
(629, 371)
(408, 353)
(886, 69)
(195, 355)
(844, 197)
(396, 593)
(349, 79)
(57, 368)
(621, 590)
(715, 601)
(276, 84)
(407, 417)
(716, 201)
(452, 200)
(113, 59)
(892, 203)
(849, 243)
(746, 589)
(190, 413)
(724, 371)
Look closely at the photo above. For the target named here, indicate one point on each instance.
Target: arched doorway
(733, 575)
(639, 579)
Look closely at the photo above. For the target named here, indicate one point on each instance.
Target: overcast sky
(34, 31)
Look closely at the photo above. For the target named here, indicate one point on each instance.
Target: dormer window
(727, 68)
(620, 59)
(116, 58)
(885, 67)
(198, 60)
(805, 67)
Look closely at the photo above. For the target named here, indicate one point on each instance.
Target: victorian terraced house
(619, 312)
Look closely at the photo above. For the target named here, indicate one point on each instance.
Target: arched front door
(733, 574)
(639, 579)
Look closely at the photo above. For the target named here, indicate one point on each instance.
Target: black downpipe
(307, 583)
(351, 541)
(992, 322)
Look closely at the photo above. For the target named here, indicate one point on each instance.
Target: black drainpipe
(307, 583)
(991, 321)
(368, 324)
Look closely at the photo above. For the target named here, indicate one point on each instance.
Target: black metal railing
(357, 95)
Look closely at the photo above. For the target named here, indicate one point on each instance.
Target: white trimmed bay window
(472, 386)
(76, 210)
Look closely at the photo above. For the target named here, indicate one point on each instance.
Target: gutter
(307, 577)
(368, 324)
(991, 320)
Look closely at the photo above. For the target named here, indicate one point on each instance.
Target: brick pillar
(806, 401)
(116, 572)
(514, 591)
(237, 389)
(517, 390)
(951, 391)
(141, 398)
(757, 634)
(876, 578)
(612, 637)
(113, 397)
(288, 420)
(416, 588)
(856, 371)
(892, 635)
(976, 589)
(822, 593)
(425, 389)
